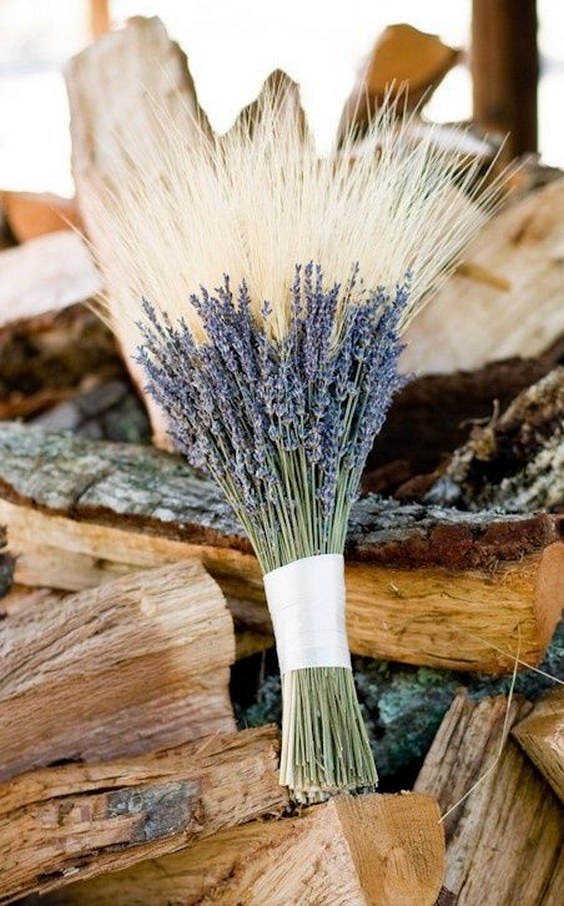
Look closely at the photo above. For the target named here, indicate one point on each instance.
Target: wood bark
(438, 410)
(490, 859)
(516, 461)
(506, 301)
(366, 851)
(405, 58)
(424, 584)
(134, 69)
(138, 663)
(65, 823)
(541, 735)
(505, 71)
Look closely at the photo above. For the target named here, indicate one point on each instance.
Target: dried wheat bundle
(268, 293)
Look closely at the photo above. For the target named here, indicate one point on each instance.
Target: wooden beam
(505, 71)
(364, 851)
(136, 664)
(62, 824)
(495, 825)
(425, 585)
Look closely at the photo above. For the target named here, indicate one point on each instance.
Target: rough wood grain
(471, 320)
(516, 461)
(75, 821)
(118, 88)
(425, 586)
(135, 664)
(490, 856)
(541, 735)
(44, 275)
(368, 851)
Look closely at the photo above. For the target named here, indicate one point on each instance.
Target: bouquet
(269, 291)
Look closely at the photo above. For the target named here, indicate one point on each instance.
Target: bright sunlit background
(232, 45)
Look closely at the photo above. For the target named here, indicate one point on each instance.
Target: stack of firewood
(132, 614)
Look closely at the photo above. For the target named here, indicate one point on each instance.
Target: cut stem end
(325, 748)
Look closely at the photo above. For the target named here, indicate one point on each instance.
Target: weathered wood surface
(438, 410)
(491, 857)
(45, 275)
(366, 851)
(132, 665)
(403, 58)
(507, 301)
(425, 585)
(31, 214)
(541, 735)
(76, 821)
(118, 89)
(516, 461)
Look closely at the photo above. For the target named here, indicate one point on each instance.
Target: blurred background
(232, 45)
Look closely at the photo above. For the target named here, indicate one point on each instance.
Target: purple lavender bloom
(283, 425)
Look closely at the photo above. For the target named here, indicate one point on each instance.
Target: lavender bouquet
(269, 290)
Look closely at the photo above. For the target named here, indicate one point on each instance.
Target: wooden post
(505, 70)
(99, 17)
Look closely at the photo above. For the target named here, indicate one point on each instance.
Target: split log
(425, 585)
(136, 664)
(366, 851)
(541, 735)
(438, 408)
(31, 214)
(490, 859)
(76, 821)
(506, 300)
(45, 275)
(134, 69)
(405, 59)
(516, 461)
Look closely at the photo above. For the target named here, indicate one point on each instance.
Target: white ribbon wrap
(306, 600)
